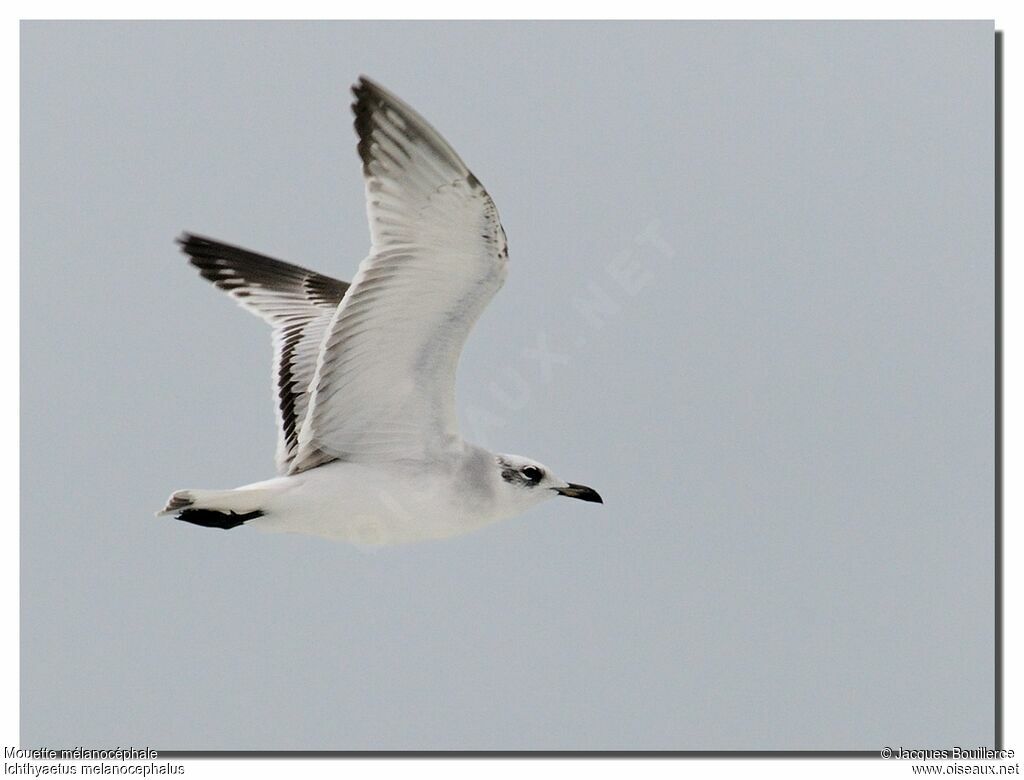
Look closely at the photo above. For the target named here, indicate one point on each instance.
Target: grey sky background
(762, 255)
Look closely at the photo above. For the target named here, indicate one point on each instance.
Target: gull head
(526, 482)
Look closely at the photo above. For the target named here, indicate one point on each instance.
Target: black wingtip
(207, 256)
(192, 244)
(368, 98)
(365, 84)
(379, 113)
(238, 271)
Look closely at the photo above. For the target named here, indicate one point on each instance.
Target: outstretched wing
(384, 387)
(298, 304)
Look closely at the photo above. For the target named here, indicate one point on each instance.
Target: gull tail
(215, 508)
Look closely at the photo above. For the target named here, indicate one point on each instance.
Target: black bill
(582, 492)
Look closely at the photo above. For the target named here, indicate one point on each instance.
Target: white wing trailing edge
(384, 385)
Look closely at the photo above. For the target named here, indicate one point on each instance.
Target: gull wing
(384, 387)
(298, 303)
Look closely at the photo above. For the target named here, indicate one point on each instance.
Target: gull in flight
(368, 447)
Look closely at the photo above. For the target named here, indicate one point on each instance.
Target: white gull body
(368, 444)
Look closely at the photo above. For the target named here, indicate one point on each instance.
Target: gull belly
(385, 503)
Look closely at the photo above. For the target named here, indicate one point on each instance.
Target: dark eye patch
(532, 473)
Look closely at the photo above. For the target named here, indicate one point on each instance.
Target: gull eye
(532, 473)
